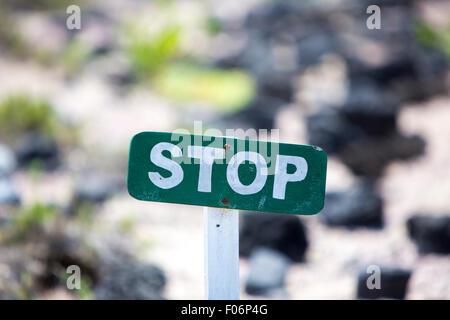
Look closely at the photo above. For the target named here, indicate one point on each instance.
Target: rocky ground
(387, 142)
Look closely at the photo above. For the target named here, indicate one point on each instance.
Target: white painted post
(221, 228)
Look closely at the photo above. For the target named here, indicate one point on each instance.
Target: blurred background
(377, 101)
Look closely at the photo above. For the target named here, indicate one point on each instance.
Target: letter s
(157, 158)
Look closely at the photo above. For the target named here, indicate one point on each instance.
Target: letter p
(282, 177)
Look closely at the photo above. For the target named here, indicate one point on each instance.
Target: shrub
(21, 113)
(31, 219)
(227, 90)
(433, 38)
(147, 53)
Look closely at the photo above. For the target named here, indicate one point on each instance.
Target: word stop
(207, 156)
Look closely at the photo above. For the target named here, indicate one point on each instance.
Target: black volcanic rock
(312, 48)
(359, 207)
(366, 114)
(393, 284)
(259, 114)
(331, 131)
(131, 281)
(369, 157)
(38, 147)
(430, 234)
(267, 272)
(281, 232)
(363, 132)
(93, 188)
(371, 109)
(122, 277)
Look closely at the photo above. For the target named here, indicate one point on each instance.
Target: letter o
(233, 174)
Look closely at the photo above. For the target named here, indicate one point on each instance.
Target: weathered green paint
(304, 197)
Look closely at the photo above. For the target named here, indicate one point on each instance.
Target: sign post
(221, 231)
(224, 175)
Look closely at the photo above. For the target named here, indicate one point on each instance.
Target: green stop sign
(227, 172)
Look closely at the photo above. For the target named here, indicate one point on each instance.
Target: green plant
(24, 289)
(213, 25)
(10, 39)
(84, 214)
(32, 218)
(35, 169)
(164, 3)
(147, 53)
(127, 224)
(85, 292)
(19, 113)
(74, 56)
(228, 90)
(432, 37)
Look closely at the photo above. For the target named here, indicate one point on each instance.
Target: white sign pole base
(221, 228)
